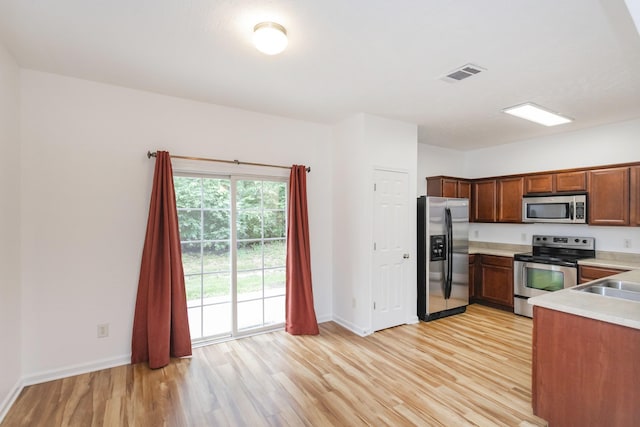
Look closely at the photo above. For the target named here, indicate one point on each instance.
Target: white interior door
(390, 276)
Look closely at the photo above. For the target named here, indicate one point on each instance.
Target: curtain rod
(151, 154)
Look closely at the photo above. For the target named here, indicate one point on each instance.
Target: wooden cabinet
(634, 192)
(571, 181)
(497, 200)
(509, 199)
(483, 203)
(587, 273)
(496, 281)
(472, 278)
(609, 196)
(585, 371)
(444, 186)
(539, 184)
(613, 193)
(555, 182)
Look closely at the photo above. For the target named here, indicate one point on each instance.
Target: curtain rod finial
(308, 168)
(150, 154)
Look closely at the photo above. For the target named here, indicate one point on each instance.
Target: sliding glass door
(233, 238)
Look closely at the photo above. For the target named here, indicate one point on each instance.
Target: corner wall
(10, 294)
(363, 143)
(86, 183)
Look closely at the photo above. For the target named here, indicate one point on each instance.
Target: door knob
(405, 256)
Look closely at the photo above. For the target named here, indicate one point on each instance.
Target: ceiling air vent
(462, 73)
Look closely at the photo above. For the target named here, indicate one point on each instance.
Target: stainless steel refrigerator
(443, 257)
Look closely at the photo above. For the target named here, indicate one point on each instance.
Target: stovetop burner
(559, 250)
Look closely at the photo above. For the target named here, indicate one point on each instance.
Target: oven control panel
(587, 243)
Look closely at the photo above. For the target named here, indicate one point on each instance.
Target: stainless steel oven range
(551, 266)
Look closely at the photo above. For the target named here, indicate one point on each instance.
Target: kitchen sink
(613, 288)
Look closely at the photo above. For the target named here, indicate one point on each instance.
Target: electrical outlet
(353, 303)
(476, 233)
(627, 243)
(103, 330)
(523, 237)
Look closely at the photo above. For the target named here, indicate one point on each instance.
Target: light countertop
(618, 260)
(607, 309)
(497, 249)
(622, 262)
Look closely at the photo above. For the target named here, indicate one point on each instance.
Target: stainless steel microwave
(564, 209)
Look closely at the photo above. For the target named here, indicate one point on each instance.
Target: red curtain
(160, 324)
(300, 314)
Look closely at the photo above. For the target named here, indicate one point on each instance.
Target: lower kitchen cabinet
(495, 281)
(588, 273)
(585, 371)
(472, 278)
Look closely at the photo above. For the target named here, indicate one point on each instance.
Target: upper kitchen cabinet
(635, 195)
(539, 183)
(497, 200)
(509, 200)
(444, 186)
(609, 196)
(483, 200)
(571, 181)
(556, 182)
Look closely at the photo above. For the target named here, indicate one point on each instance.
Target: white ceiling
(580, 58)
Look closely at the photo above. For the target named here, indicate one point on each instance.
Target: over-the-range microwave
(564, 209)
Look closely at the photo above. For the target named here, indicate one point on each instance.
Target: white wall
(616, 143)
(85, 189)
(10, 325)
(363, 143)
(433, 161)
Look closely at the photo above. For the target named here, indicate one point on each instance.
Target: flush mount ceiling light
(270, 38)
(535, 113)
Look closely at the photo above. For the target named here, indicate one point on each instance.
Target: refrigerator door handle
(449, 246)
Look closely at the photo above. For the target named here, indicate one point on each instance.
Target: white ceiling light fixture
(270, 38)
(537, 114)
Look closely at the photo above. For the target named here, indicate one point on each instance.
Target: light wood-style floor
(470, 369)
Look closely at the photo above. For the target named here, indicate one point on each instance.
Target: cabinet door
(464, 189)
(588, 273)
(497, 280)
(571, 181)
(449, 187)
(472, 277)
(539, 184)
(609, 196)
(484, 201)
(510, 199)
(441, 186)
(634, 190)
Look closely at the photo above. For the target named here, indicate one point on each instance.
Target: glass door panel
(233, 235)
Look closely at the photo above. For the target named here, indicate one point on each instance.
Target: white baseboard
(10, 399)
(352, 327)
(69, 371)
(324, 318)
(413, 320)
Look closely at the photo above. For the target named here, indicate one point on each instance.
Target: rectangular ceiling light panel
(537, 114)
(634, 10)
